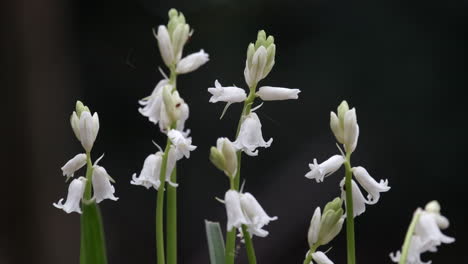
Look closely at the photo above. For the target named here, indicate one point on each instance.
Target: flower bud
(331, 222)
(314, 229)
(192, 62)
(269, 93)
(260, 58)
(345, 127)
(169, 104)
(84, 125)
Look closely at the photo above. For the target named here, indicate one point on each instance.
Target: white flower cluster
(427, 235)
(165, 106)
(259, 62)
(346, 130)
(244, 209)
(85, 128)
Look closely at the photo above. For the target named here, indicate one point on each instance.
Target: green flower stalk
(166, 107)
(259, 62)
(84, 193)
(346, 130)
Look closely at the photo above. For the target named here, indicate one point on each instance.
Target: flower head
(345, 127)
(372, 187)
(73, 165)
(75, 194)
(229, 94)
(257, 217)
(149, 175)
(260, 58)
(269, 93)
(183, 145)
(324, 169)
(235, 215)
(102, 188)
(250, 136)
(224, 157)
(151, 106)
(85, 126)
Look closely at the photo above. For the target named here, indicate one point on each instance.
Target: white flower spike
(192, 62)
(75, 194)
(372, 187)
(229, 94)
(269, 93)
(250, 136)
(102, 188)
(149, 175)
(234, 212)
(73, 165)
(183, 145)
(257, 217)
(324, 169)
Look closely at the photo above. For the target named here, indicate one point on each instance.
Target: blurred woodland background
(400, 63)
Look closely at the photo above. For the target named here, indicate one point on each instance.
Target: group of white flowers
(86, 128)
(166, 108)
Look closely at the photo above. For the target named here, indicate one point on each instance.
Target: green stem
(171, 220)
(160, 207)
(249, 246)
(308, 258)
(92, 245)
(231, 235)
(409, 235)
(350, 243)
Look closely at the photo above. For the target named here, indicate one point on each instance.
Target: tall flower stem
(308, 258)
(171, 203)
(350, 242)
(160, 208)
(92, 245)
(249, 246)
(231, 235)
(409, 234)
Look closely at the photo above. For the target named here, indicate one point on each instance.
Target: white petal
(351, 130)
(183, 145)
(192, 62)
(336, 128)
(229, 94)
(179, 38)
(165, 45)
(428, 229)
(75, 124)
(102, 188)
(75, 194)
(314, 228)
(74, 164)
(153, 104)
(250, 136)
(269, 93)
(321, 258)
(372, 187)
(254, 211)
(234, 212)
(258, 64)
(89, 127)
(359, 202)
(326, 168)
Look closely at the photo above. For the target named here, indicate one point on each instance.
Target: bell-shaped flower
(224, 157)
(372, 187)
(260, 58)
(165, 45)
(149, 175)
(321, 258)
(73, 165)
(324, 169)
(250, 136)
(235, 215)
(153, 104)
(183, 145)
(428, 229)
(416, 248)
(192, 62)
(229, 94)
(269, 93)
(257, 217)
(75, 194)
(359, 202)
(102, 188)
(345, 127)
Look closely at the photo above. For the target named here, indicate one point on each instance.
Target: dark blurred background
(400, 63)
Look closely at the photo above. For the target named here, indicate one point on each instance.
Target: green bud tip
(173, 13)
(80, 107)
(334, 205)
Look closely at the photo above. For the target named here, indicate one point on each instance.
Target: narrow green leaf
(215, 242)
(93, 248)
